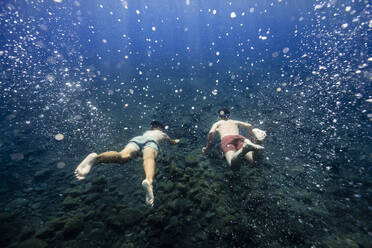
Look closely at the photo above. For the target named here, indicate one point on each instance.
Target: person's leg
(149, 156)
(246, 148)
(229, 156)
(254, 156)
(93, 159)
(249, 156)
(130, 151)
(258, 134)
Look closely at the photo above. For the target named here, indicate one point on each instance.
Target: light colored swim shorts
(142, 141)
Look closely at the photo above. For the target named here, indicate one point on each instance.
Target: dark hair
(156, 124)
(224, 113)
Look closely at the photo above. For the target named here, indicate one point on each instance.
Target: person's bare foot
(250, 146)
(239, 155)
(259, 134)
(84, 167)
(149, 192)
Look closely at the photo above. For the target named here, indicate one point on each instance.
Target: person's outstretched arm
(171, 141)
(210, 137)
(247, 126)
(244, 125)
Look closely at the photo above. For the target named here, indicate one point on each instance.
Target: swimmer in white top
(148, 144)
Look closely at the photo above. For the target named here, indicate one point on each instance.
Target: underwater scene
(166, 86)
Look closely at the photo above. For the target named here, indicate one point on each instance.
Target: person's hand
(204, 149)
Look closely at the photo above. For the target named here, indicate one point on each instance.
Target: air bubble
(17, 156)
(61, 165)
(59, 137)
(50, 78)
(262, 37)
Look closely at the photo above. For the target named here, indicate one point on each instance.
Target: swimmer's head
(224, 114)
(156, 125)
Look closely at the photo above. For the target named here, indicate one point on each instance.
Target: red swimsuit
(232, 143)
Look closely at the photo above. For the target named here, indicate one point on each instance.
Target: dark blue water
(84, 76)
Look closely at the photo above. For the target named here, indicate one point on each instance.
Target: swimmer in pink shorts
(234, 146)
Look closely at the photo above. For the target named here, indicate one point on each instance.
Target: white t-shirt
(155, 134)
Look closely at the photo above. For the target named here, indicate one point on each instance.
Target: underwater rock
(3, 189)
(173, 205)
(170, 228)
(229, 219)
(26, 232)
(175, 170)
(19, 202)
(114, 222)
(94, 188)
(33, 243)
(205, 203)
(72, 244)
(45, 233)
(167, 187)
(193, 191)
(28, 190)
(220, 211)
(130, 216)
(42, 174)
(189, 171)
(8, 232)
(6, 216)
(127, 245)
(157, 219)
(97, 185)
(70, 202)
(191, 159)
(125, 218)
(295, 170)
(332, 242)
(101, 180)
(73, 227)
(56, 224)
(36, 205)
(76, 191)
(92, 197)
(209, 215)
(181, 187)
